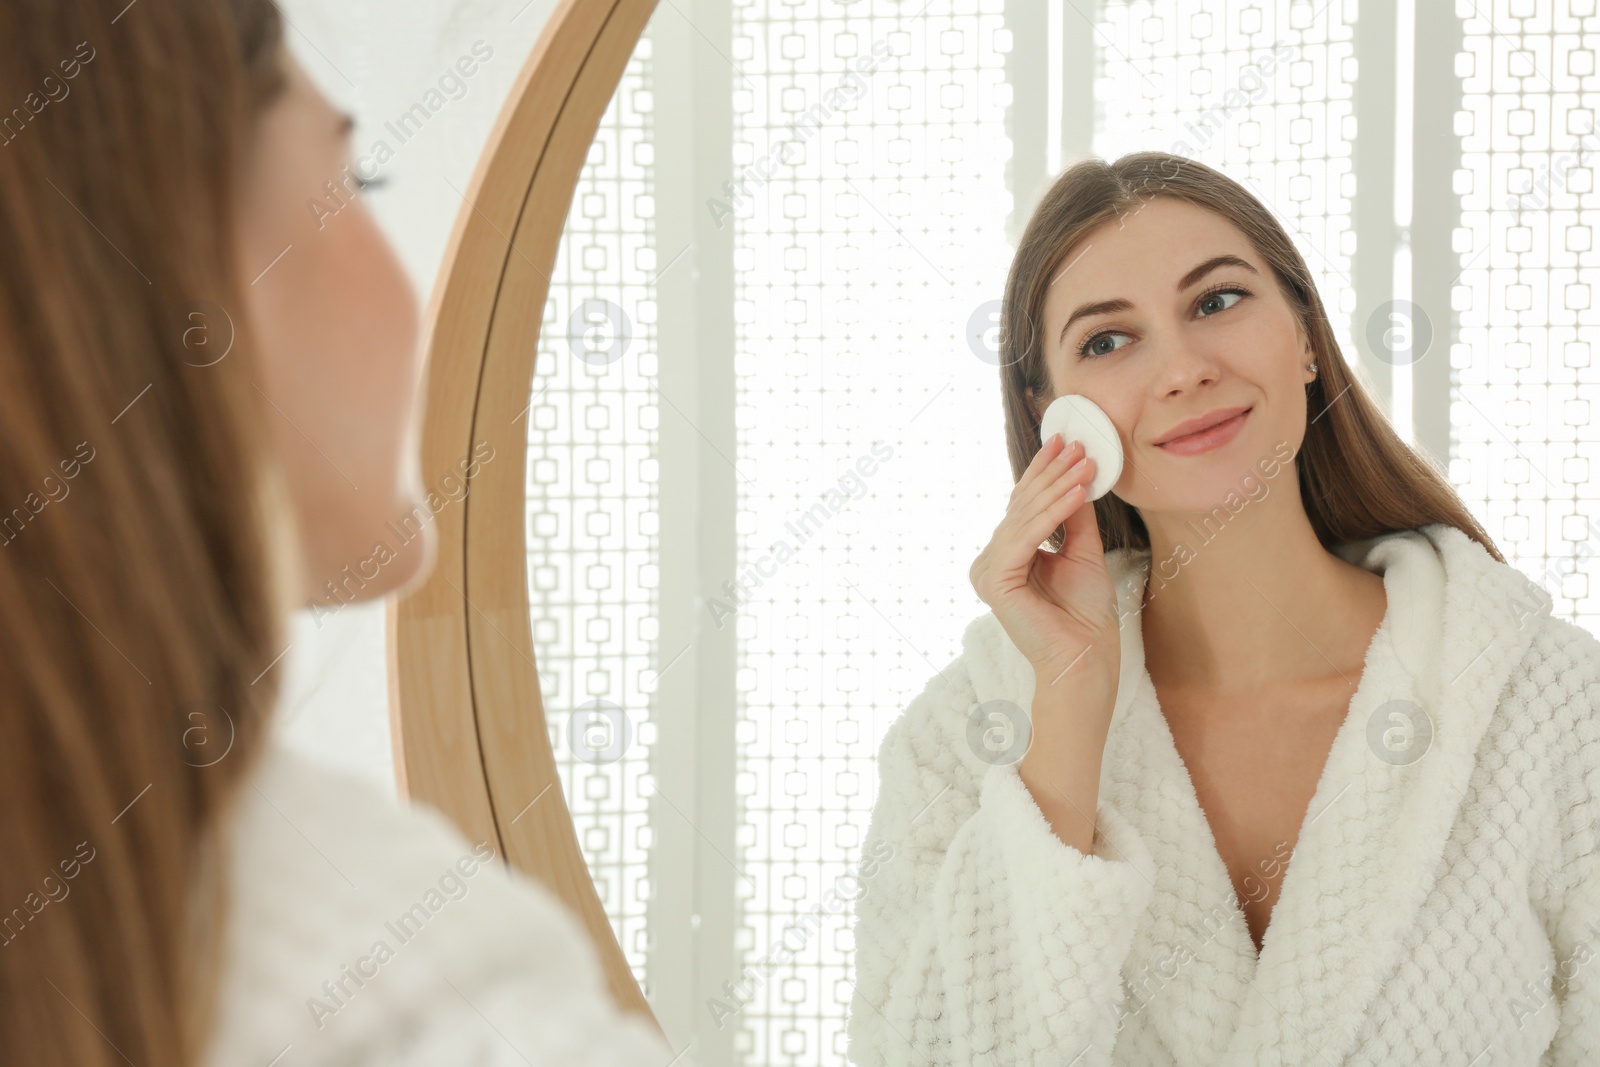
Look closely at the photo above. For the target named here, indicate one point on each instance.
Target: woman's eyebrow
(1107, 307)
(347, 123)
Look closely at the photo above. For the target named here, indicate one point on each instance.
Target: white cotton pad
(1077, 418)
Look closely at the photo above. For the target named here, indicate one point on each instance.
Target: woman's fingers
(1063, 472)
(1042, 476)
(1064, 497)
(1047, 493)
(1051, 503)
(1067, 468)
(1041, 460)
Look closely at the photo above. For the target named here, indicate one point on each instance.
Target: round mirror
(715, 349)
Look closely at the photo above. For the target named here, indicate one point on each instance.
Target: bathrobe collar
(1456, 625)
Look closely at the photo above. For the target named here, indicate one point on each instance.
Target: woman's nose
(1183, 365)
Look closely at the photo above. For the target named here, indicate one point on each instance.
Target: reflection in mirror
(766, 439)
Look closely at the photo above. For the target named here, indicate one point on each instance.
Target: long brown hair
(1358, 479)
(143, 596)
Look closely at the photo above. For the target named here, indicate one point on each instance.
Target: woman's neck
(1253, 605)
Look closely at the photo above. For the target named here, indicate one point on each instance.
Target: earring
(1312, 367)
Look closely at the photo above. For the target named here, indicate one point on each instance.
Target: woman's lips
(1207, 440)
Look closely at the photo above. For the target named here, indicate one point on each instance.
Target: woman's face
(1185, 342)
(340, 360)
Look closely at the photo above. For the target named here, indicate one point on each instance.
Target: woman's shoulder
(1548, 722)
(1555, 679)
(358, 929)
(1564, 663)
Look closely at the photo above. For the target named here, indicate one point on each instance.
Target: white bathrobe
(1442, 903)
(363, 933)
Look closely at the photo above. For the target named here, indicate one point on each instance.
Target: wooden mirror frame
(465, 711)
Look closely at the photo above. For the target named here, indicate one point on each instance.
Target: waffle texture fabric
(362, 932)
(1441, 905)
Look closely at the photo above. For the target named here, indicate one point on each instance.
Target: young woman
(1270, 758)
(209, 403)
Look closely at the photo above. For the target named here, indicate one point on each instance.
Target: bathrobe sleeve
(361, 932)
(1576, 937)
(1577, 977)
(981, 937)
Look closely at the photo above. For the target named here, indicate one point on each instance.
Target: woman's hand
(1059, 608)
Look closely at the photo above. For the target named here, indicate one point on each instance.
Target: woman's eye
(364, 184)
(1216, 297)
(1093, 347)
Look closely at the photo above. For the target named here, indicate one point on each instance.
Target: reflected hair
(144, 607)
(1358, 479)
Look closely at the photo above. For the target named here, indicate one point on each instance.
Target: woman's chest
(1412, 892)
(1255, 771)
